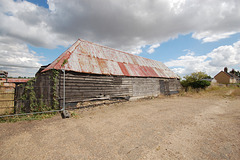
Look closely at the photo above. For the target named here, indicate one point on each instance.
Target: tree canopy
(196, 80)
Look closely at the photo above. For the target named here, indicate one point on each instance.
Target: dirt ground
(161, 128)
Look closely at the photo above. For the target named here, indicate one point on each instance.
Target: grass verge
(213, 91)
(236, 92)
(27, 117)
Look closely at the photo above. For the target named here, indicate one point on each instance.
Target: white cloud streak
(212, 37)
(152, 48)
(211, 63)
(18, 60)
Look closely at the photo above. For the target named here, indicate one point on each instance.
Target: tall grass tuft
(236, 92)
(222, 91)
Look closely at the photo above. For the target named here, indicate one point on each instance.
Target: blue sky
(174, 48)
(187, 36)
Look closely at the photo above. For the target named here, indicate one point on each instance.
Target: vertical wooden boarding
(164, 87)
(7, 99)
(18, 102)
(174, 86)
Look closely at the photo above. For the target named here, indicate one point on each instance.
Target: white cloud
(118, 23)
(211, 63)
(152, 48)
(177, 5)
(29, 23)
(51, 6)
(122, 24)
(137, 50)
(18, 60)
(211, 37)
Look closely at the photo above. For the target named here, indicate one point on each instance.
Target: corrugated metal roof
(87, 57)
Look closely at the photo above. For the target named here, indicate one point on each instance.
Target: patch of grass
(27, 117)
(217, 91)
(236, 92)
(75, 114)
(190, 92)
(222, 91)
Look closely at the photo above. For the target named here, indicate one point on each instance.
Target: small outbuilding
(93, 72)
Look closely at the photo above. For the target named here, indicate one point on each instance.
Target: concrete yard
(162, 128)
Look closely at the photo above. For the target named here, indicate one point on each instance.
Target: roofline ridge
(224, 73)
(117, 50)
(60, 57)
(105, 46)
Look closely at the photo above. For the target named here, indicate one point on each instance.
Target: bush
(196, 84)
(200, 84)
(195, 81)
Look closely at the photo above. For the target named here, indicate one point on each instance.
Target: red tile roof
(15, 80)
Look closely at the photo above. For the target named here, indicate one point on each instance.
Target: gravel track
(161, 128)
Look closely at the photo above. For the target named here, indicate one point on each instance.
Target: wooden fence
(7, 98)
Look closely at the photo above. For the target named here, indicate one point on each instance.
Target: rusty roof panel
(114, 69)
(103, 66)
(124, 69)
(87, 57)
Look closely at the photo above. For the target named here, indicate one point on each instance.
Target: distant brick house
(224, 77)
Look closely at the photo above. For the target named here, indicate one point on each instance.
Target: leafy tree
(233, 71)
(237, 73)
(195, 80)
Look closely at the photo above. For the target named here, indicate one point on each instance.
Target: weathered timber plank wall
(145, 86)
(174, 86)
(44, 87)
(83, 87)
(39, 94)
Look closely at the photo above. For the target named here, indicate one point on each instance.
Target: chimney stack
(226, 69)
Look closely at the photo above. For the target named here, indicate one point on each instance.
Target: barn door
(164, 87)
(167, 92)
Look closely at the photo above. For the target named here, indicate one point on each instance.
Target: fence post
(65, 113)
(63, 90)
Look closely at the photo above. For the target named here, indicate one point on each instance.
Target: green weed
(30, 117)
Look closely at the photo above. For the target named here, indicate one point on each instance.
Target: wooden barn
(95, 72)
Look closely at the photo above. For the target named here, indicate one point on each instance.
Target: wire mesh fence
(26, 93)
(46, 90)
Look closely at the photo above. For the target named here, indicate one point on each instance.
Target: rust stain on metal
(87, 57)
(123, 68)
(103, 66)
